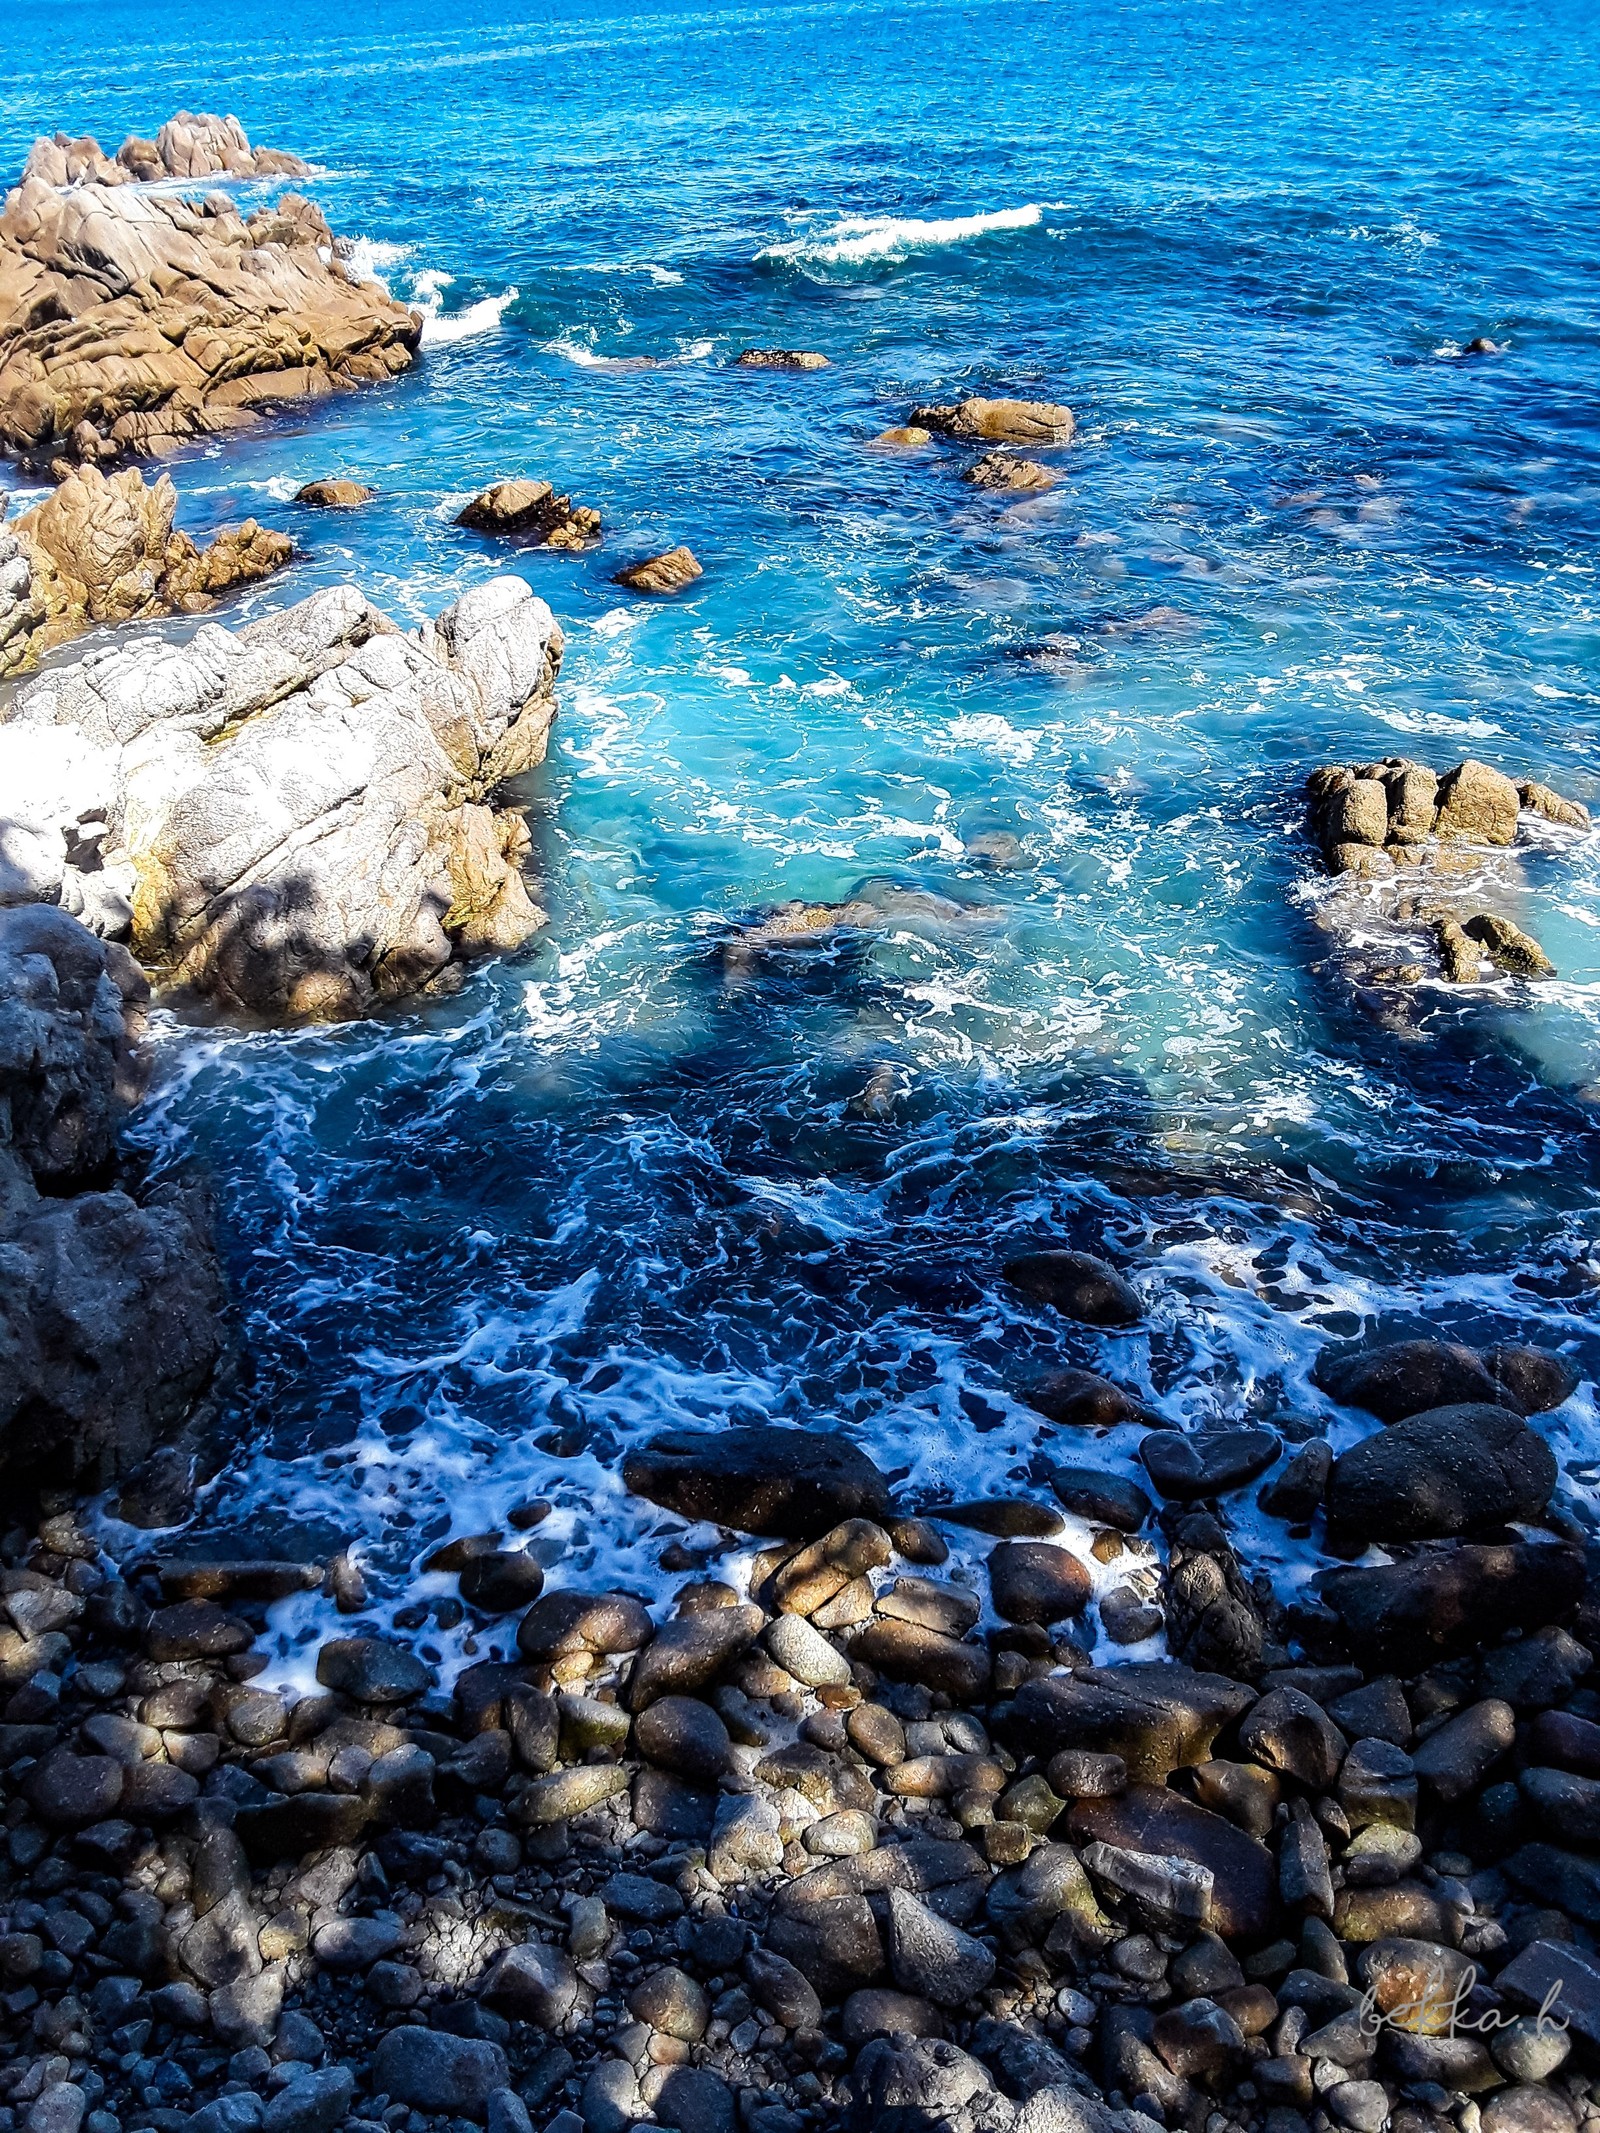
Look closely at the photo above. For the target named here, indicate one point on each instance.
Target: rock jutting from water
(531, 511)
(295, 820)
(190, 145)
(1429, 849)
(334, 493)
(133, 321)
(669, 572)
(1034, 422)
(102, 548)
(780, 359)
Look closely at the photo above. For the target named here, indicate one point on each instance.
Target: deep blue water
(613, 1182)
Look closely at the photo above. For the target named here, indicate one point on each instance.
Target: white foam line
(863, 237)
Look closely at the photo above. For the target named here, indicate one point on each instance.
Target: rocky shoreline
(848, 1837)
(813, 1853)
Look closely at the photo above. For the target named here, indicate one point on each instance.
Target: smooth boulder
(789, 1483)
(1440, 1473)
(1394, 1379)
(1078, 1285)
(1400, 1617)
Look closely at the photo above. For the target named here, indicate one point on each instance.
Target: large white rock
(296, 812)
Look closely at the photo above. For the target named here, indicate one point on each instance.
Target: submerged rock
(103, 549)
(132, 321)
(297, 812)
(1078, 1285)
(666, 573)
(998, 421)
(1006, 471)
(780, 359)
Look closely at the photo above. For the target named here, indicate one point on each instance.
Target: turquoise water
(478, 1245)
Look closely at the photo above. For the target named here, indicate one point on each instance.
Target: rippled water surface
(631, 1177)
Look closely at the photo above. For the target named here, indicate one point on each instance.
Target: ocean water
(632, 1177)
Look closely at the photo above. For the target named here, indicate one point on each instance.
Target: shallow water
(479, 1245)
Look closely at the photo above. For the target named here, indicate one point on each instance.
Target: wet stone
(1105, 1499)
(791, 1483)
(1439, 1473)
(561, 1624)
(195, 1629)
(1186, 1469)
(681, 1734)
(1082, 1399)
(1007, 1517)
(570, 1792)
(1030, 1581)
(1394, 1379)
(876, 1734)
(500, 1582)
(1078, 1285)
(689, 1652)
(371, 1670)
(907, 1653)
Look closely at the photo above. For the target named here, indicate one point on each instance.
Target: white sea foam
(587, 358)
(370, 258)
(441, 327)
(865, 237)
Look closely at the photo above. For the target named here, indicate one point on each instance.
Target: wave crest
(862, 238)
(440, 327)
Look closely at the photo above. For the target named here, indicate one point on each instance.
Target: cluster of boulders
(1399, 822)
(848, 1841)
(103, 548)
(295, 819)
(998, 422)
(532, 512)
(132, 321)
(1372, 818)
(109, 1325)
(190, 145)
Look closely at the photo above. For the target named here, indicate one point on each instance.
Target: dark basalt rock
(1157, 1716)
(790, 1483)
(1399, 1378)
(1082, 1399)
(1532, 1379)
(1440, 1473)
(370, 1670)
(1108, 1499)
(1188, 1468)
(1400, 1617)
(1151, 1818)
(1076, 1284)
